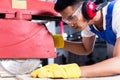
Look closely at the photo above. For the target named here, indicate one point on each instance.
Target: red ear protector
(89, 9)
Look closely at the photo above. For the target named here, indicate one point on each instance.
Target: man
(72, 13)
(90, 18)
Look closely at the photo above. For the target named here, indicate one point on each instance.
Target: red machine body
(31, 8)
(21, 38)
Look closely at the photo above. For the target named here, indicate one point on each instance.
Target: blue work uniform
(108, 35)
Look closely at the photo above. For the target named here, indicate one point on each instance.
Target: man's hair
(60, 5)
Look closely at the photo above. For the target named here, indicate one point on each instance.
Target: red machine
(19, 36)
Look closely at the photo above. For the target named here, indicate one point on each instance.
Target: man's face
(74, 18)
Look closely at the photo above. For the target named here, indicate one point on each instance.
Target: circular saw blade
(22, 66)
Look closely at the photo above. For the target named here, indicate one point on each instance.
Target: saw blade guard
(20, 67)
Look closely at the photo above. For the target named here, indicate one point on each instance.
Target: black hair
(60, 5)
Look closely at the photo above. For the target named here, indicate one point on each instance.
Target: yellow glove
(58, 41)
(57, 71)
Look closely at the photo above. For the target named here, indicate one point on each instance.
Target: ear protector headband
(90, 8)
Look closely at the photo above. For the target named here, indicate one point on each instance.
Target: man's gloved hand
(57, 71)
(58, 41)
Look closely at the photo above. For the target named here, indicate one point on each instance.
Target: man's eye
(71, 18)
